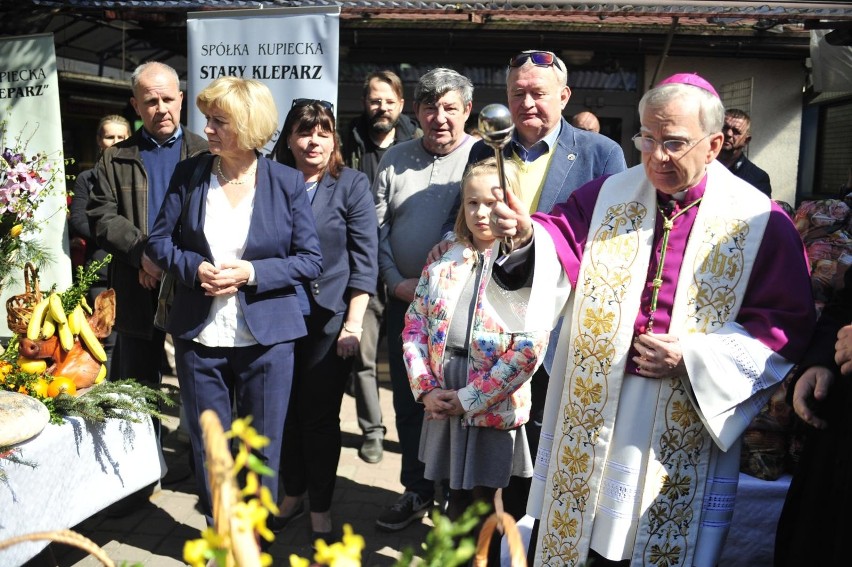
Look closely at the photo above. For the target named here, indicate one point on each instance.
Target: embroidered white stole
(582, 401)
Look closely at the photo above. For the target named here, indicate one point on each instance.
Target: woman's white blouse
(226, 229)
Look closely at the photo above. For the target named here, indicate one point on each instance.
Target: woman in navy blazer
(237, 232)
(334, 306)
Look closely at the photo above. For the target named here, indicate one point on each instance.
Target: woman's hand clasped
(224, 280)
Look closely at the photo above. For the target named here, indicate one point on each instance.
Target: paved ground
(154, 533)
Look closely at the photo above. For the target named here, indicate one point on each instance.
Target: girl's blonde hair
(487, 166)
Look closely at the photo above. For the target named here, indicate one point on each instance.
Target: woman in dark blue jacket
(236, 230)
(333, 305)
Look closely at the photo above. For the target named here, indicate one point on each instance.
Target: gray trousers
(365, 371)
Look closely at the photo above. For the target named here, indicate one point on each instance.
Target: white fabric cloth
(81, 468)
(226, 229)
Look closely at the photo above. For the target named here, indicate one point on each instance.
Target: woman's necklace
(224, 177)
(657, 283)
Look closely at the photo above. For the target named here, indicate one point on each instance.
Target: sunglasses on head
(539, 59)
(308, 101)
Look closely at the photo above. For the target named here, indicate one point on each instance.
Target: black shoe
(329, 538)
(408, 508)
(371, 451)
(176, 475)
(277, 523)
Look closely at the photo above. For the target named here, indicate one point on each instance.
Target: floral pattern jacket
(500, 363)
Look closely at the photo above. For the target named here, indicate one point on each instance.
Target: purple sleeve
(568, 225)
(778, 308)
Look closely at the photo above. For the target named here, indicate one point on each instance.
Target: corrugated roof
(120, 34)
(761, 9)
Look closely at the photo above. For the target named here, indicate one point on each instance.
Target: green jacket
(118, 212)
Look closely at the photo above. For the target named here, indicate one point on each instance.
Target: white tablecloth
(750, 542)
(82, 467)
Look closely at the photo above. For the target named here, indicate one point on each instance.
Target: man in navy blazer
(554, 159)
(537, 95)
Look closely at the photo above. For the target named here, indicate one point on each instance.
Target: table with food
(71, 442)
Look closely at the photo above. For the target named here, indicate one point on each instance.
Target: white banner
(294, 51)
(29, 108)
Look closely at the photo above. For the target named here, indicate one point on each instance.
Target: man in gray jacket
(131, 179)
(415, 188)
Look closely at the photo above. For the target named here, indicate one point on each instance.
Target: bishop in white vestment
(691, 301)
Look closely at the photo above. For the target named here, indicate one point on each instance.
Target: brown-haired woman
(333, 306)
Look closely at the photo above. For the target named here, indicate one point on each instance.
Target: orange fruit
(39, 388)
(61, 385)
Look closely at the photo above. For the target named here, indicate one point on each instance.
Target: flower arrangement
(25, 180)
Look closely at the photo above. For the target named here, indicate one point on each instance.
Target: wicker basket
(67, 537)
(20, 307)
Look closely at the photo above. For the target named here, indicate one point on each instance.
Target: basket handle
(505, 524)
(31, 271)
(68, 537)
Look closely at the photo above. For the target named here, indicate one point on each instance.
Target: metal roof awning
(110, 35)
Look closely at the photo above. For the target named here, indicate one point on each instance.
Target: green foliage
(13, 455)
(10, 354)
(448, 543)
(83, 280)
(15, 252)
(123, 399)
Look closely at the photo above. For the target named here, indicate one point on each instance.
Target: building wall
(776, 109)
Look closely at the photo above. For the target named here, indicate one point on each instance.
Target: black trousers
(139, 359)
(312, 443)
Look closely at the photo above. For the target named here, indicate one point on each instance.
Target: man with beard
(380, 126)
(737, 133)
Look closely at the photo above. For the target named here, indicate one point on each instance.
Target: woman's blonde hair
(487, 166)
(247, 103)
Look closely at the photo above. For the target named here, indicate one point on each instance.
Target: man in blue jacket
(554, 159)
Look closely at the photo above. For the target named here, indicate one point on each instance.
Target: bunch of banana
(49, 318)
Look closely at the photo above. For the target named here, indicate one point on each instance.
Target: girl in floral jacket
(469, 372)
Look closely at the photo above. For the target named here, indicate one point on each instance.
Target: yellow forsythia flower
(195, 551)
(341, 554)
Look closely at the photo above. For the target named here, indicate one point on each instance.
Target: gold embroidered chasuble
(592, 350)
